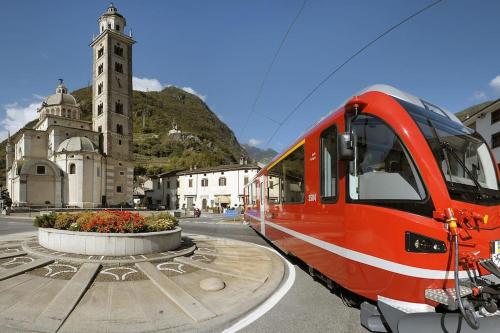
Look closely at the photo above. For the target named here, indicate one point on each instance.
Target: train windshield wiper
(446, 146)
(445, 153)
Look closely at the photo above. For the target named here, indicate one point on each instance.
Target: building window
(495, 116)
(99, 88)
(100, 108)
(99, 129)
(190, 183)
(117, 27)
(40, 169)
(123, 173)
(178, 184)
(109, 25)
(119, 129)
(119, 50)
(98, 172)
(118, 67)
(168, 184)
(495, 140)
(120, 142)
(245, 180)
(100, 52)
(100, 69)
(328, 148)
(246, 171)
(72, 169)
(158, 185)
(204, 182)
(119, 189)
(119, 107)
(222, 181)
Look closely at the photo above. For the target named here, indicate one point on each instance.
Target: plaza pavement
(205, 287)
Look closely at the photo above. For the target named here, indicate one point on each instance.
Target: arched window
(72, 169)
(222, 181)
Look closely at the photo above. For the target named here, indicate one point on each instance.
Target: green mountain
(204, 141)
(260, 155)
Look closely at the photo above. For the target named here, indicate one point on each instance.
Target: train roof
(382, 88)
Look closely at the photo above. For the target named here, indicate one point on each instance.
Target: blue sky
(449, 55)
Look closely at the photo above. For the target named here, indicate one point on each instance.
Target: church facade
(65, 161)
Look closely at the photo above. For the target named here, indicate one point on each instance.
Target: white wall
(235, 181)
(486, 129)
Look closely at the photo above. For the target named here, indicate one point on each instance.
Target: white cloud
(146, 84)
(495, 83)
(16, 116)
(194, 92)
(254, 142)
(479, 96)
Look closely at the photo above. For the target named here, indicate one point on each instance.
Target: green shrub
(64, 220)
(107, 221)
(83, 218)
(160, 222)
(45, 221)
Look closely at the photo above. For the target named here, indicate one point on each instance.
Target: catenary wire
(339, 67)
(271, 64)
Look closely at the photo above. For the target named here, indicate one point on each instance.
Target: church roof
(61, 97)
(77, 144)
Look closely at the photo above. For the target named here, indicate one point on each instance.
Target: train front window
(462, 155)
(382, 168)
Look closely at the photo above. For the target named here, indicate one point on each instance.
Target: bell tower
(112, 104)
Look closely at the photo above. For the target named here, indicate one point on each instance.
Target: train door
(262, 208)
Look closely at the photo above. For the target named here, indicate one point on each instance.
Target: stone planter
(112, 244)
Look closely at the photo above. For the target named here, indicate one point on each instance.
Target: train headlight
(423, 244)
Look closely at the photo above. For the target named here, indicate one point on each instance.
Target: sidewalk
(205, 290)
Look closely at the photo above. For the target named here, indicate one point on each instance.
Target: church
(64, 161)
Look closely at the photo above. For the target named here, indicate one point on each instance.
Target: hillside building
(67, 161)
(485, 120)
(217, 187)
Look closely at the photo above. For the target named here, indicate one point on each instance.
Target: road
(308, 307)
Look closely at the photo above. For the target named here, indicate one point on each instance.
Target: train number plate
(495, 252)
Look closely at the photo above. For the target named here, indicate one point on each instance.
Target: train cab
(379, 197)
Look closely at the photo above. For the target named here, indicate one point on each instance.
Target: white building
(67, 161)
(485, 119)
(220, 186)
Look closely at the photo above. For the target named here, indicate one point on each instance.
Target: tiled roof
(488, 106)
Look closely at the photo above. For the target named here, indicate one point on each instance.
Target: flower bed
(107, 221)
(108, 233)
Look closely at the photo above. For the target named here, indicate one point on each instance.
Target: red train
(377, 198)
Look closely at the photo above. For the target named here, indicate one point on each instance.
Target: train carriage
(377, 197)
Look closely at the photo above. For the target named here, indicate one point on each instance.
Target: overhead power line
(266, 75)
(339, 67)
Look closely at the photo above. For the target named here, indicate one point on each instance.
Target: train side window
(274, 184)
(293, 188)
(328, 162)
(382, 168)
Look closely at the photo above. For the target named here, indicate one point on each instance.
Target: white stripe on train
(367, 259)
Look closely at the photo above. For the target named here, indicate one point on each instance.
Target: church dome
(61, 97)
(77, 144)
